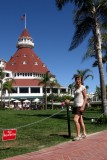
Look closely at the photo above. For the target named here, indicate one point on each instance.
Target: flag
(23, 17)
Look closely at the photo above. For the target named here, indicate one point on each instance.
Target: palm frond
(89, 75)
(82, 30)
(89, 54)
(61, 3)
(95, 64)
(102, 10)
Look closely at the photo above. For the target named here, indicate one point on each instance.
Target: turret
(25, 41)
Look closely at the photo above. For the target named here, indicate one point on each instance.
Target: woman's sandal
(83, 136)
(77, 138)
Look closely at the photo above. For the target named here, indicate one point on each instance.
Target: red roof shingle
(26, 61)
(26, 82)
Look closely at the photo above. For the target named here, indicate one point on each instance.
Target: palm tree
(84, 74)
(89, 17)
(8, 86)
(53, 83)
(2, 76)
(71, 87)
(98, 92)
(46, 81)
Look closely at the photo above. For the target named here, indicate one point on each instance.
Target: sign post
(67, 102)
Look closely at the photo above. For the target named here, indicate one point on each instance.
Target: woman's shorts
(76, 110)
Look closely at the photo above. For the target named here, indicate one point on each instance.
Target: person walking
(80, 99)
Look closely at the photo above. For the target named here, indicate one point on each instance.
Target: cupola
(25, 41)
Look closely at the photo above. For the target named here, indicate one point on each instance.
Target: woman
(80, 99)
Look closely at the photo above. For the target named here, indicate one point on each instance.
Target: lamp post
(67, 102)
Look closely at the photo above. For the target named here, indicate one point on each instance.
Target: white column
(18, 90)
(29, 90)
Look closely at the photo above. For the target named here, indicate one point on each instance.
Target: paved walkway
(94, 147)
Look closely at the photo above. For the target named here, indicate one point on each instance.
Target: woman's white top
(78, 96)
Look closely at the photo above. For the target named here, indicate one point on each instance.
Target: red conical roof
(25, 33)
(25, 60)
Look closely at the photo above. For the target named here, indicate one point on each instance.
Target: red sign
(9, 134)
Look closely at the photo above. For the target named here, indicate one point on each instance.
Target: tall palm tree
(71, 87)
(89, 17)
(84, 74)
(53, 83)
(46, 81)
(98, 92)
(2, 76)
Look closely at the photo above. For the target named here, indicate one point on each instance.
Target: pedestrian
(80, 99)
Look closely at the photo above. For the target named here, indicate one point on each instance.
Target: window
(13, 63)
(35, 90)
(48, 90)
(55, 90)
(24, 62)
(63, 90)
(23, 90)
(24, 55)
(7, 74)
(14, 90)
(35, 63)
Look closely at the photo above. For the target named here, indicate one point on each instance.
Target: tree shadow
(66, 136)
(3, 149)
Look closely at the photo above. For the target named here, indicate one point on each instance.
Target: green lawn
(37, 129)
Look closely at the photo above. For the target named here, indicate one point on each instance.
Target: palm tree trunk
(45, 98)
(52, 104)
(1, 95)
(98, 41)
(9, 100)
(52, 96)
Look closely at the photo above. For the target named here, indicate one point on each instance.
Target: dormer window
(13, 63)
(24, 62)
(24, 55)
(35, 63)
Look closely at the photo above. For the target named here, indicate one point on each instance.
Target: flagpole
(25, 20)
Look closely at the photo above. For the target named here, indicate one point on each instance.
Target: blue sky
(52, 31)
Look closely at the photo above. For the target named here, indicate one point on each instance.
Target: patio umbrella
(12, 99)
(6, 100)
(16, 101)
(36, 100)
(26, 101)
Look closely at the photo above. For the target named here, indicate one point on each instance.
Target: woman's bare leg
(82, 125)
(77, 124)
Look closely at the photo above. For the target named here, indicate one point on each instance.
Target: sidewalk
(94, 147)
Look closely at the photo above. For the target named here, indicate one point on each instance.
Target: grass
(37, 129)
